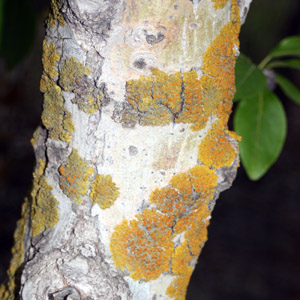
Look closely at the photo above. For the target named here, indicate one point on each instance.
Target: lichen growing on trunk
(133, 150)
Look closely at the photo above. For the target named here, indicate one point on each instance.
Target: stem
(264, 62)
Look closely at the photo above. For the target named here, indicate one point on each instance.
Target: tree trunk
(133, 150)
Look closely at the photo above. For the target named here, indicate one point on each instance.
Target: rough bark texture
(133, 150)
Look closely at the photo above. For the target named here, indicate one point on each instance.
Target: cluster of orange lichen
(160, 99)
(215, 150)
(180, 210)
(154, 99)
(219, 63)
(75, 177)
(104, 191)
(219, 3)
(145, 245)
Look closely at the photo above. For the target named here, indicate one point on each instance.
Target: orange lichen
(219, 3)
(192, 110)
(154, 99)
(178, 286)
(168, 201)
(143, 245)
(75, 177)
(219, 62)
(104, 191)
(194, 225)
(216, 150)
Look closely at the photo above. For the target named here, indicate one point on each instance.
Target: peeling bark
(133, 150)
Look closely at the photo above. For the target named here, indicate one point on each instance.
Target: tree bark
(133, 150)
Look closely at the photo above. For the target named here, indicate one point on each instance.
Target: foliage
(260, 118)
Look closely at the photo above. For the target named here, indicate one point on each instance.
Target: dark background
(253, 251)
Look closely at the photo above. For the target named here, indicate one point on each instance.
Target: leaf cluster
(260, 117)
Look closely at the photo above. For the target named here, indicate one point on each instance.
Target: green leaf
(261, 122)
(249, 80)
(288, 88)
(18, 31)
(289, 63)
(289, 46)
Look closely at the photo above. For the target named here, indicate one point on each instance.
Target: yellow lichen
(154, 99)
(219, 3)
(178, 286)
(55, 14)
(104, 191)
(219, 62)
(44, 212)
(49, 59)
(160, 99)
(72, 71)
(75, 177)
(9, 290)
(54, 116)
(216, 150)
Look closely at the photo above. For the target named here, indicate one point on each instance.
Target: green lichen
(55, 117)
(75, 177)
(44, 211)
(55, 14)
(72, 71)
(104, 191)
(9, 290)
(75, 77)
